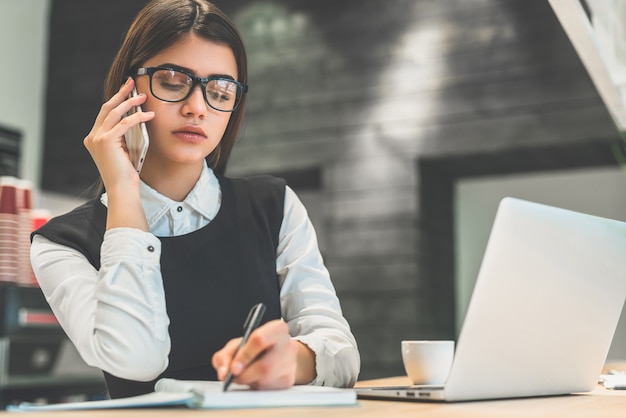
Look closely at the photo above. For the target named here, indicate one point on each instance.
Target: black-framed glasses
(175, 85)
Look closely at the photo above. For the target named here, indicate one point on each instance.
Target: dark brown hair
(162, 23)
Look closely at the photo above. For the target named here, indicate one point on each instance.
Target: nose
(194, 104)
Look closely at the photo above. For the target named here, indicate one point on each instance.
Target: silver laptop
(545, 306)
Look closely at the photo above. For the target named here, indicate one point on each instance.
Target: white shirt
(116, 317)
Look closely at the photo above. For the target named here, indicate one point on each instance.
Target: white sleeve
(308, 300)
(116, 317)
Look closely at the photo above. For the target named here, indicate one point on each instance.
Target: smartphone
(137, 140)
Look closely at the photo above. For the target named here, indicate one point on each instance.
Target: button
(180, 208)
(150, 248)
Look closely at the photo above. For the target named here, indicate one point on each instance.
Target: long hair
(162, 23)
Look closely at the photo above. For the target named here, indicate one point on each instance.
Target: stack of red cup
(8, 230)
(24, 226)
(17, 220)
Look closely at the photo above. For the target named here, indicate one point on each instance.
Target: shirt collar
(205, 198)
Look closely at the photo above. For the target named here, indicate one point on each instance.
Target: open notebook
(209, 395)
(545, 306)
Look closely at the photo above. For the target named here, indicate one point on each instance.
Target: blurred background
(399, 123)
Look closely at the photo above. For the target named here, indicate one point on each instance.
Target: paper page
(209, 395)
(155, 399)
(212, 396)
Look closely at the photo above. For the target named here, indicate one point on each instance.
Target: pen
(252, 322)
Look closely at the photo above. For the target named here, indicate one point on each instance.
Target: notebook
(198, 394)
(544, 309)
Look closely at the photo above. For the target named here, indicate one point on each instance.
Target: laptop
(543, 312)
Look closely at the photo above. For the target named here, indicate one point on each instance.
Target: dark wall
(386, 103)
(84, 38)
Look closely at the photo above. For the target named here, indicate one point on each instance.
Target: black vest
(211, 276)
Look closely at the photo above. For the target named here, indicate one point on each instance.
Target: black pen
(252, 322)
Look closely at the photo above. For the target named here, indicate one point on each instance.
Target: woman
(155, 277)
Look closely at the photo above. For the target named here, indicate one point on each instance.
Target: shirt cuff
(324, 363)
(130, 243)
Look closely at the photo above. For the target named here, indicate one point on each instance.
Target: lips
(190, 132)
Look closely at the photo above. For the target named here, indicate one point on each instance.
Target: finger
(263, 338)
(117, 108)
(274, 369)
(221, 359)
(112, 112)
(119, 114)
(136, 118)
(271, 337)
(100, 136)
(118, 98)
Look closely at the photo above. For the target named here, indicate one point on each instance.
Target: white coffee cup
(427, 362)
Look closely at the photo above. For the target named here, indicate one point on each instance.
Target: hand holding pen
(266, 358)
(252, 322)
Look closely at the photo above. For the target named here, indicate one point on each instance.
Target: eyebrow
(189, 70)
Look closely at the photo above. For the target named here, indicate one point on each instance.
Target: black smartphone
(137, 140)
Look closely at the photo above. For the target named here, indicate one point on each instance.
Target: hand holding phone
(137, 140)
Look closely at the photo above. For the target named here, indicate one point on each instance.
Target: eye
(221, 91)
(171, 80)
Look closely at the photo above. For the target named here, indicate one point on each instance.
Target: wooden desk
(598, 404)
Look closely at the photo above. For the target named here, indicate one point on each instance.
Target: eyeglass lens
(173, 86)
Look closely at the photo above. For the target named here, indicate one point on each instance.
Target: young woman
(155, 277)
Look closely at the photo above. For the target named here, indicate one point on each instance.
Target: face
(186, 132)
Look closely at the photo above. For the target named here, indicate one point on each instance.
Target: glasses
(172, 85)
